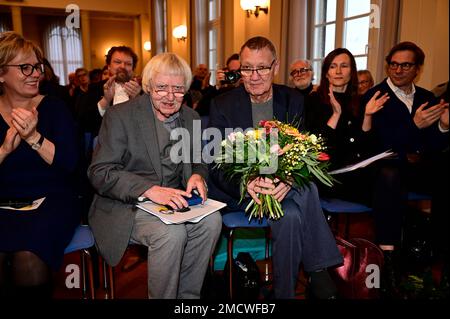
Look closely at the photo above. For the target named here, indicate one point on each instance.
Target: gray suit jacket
(125, 164)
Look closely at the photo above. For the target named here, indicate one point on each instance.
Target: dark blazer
(125, 164)
(346, 144)
(393, 126)
(233, 110)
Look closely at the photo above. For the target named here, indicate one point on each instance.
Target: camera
(231, 77)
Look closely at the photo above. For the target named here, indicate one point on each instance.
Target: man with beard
(301, 75)
(120, 87)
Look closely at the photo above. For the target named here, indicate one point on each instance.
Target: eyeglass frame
(257, 70)
(301, 71)
(38, 67)
(166, 93)
(405, 66)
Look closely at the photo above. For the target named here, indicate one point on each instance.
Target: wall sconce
(180, 33)
(255, 6)
(147, 46)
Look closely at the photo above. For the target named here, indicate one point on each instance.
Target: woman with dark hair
(333, 110)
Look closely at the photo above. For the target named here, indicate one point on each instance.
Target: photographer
(226, 79)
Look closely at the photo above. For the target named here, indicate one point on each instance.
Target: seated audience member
(126, 166)
(414, 124)
(95, 75)
(302, 235)
(227, 79)
(73, 83)
(200, 85)
(38, 153)
(82, 75)
(365, 81)
(49, 85)
(105, 73)
(121, 86)
(301, 74)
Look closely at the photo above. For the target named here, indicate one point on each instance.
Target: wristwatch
(38, 144)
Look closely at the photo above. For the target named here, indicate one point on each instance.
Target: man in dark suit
(133, 159)
(413, 124)
(302, 235)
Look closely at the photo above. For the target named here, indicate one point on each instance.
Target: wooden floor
(133, 284)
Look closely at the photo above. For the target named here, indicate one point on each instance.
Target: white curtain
(63, 49)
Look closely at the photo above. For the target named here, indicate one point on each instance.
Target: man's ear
(276, 67)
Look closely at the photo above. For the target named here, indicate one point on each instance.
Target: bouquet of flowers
(278, 151)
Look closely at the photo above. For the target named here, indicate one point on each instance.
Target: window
(213, 36)
(5, 22)
(63, 48)
(340, 23)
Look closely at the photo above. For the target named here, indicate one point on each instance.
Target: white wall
(425, 22)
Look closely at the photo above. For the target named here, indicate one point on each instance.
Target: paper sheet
(364, 163)
(194, 215)
(33, 206)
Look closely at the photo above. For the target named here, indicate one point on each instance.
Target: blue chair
(82, 240)
(239, 219)
(412, 196)
(335, 206)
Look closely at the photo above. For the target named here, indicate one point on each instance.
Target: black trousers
(302, 235)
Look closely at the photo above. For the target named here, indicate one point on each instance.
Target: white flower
(313, 138)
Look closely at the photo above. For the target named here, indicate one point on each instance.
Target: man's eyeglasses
(404, 66)
(261, 71)
(300, 71)
(28, 69)
(163, 90)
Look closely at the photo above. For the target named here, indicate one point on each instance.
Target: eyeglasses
(404, 66)
(300, 71)
(162, 90)
(28, 69)
(261, 71)
(363, 82)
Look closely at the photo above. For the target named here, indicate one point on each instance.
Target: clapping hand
(375, 104)
(425, 117)
(25, 121)
(132, 88)
(12, 140)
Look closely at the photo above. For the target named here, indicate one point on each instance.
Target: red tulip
(323, 157)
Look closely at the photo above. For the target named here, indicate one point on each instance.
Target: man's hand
(108, 91)
(443, 120)
(260, 185)
(281, 190)
(197, 182)
(376, 103)
(424, 118)
(132, 88)
(167, 196)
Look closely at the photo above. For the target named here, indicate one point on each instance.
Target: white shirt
(408, 99)
(120, 96)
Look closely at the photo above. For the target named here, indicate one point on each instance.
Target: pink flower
(275, 149)
(323, 157)
(262, 123)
